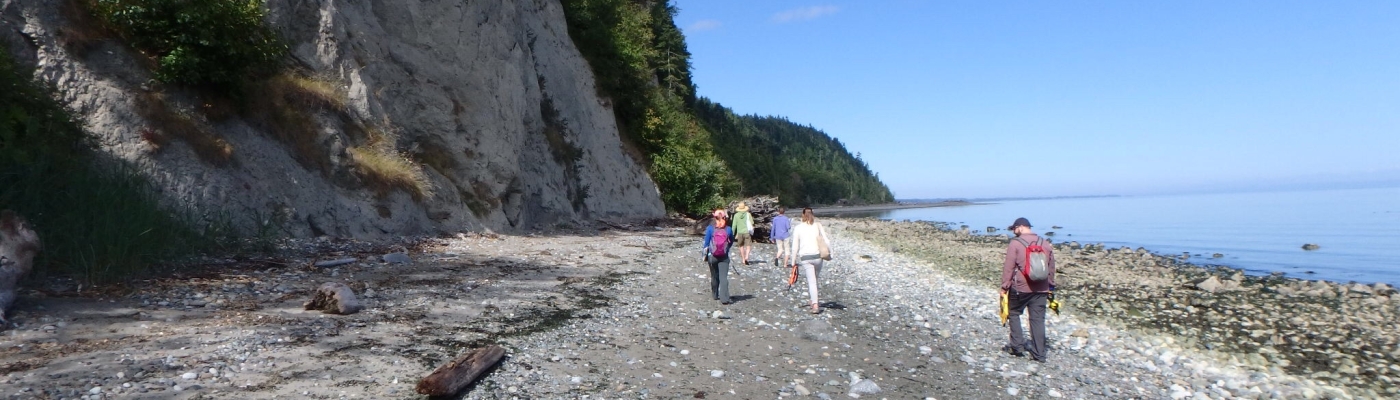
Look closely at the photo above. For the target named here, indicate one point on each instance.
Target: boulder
(334, 298)
(18, 246)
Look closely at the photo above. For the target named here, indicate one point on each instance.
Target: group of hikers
(800, 247)
(1027, 274)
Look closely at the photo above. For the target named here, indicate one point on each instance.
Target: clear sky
(1047, 98)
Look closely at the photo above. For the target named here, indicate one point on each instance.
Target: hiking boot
(1015, 352)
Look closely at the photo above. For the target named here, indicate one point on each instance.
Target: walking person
(719, 238)
(808, 239)
(782, 229)
(743, 229)
(1027, 278)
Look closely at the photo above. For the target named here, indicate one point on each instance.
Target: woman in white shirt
(808, 252)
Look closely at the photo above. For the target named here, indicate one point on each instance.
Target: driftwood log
(461, 372)
(763, 209)
(18, 246)
(334, 298)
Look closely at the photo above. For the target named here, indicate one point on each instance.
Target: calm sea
(1358, 229)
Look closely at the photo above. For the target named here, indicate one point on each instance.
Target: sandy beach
(626, 313)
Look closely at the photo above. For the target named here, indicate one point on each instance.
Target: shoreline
(838, 210)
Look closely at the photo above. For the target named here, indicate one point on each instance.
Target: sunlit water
(1358, 230)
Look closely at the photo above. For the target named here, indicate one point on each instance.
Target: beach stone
(817, 330)
(1081, 333)
(1361, 289)
(717, 373)
(396, 258)
(864, 387)
(801, 390)
(1210, 284)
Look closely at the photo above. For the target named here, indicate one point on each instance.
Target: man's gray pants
(1035, 303)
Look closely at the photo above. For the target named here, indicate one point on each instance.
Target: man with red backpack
(1027, 278)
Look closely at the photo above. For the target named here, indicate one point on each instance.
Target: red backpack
(1037, 266)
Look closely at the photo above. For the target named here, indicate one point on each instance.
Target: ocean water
(1358, 230)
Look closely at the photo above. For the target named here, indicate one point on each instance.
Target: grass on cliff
(99, 221)
(385, 169)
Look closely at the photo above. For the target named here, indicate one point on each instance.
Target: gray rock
(864, 387)
(1210, 284)
(817, 330)
(334, 298)
(396, 258)
(717, 373)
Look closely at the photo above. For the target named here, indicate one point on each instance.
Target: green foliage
(640, 59)
(641, 63)
(197, 42)
(800, 164)
(97, 225)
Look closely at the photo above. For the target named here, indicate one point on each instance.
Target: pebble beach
(909, 311)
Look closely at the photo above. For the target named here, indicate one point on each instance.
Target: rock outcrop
(490, 97)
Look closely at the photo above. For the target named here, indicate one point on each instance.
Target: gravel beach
(908, 312)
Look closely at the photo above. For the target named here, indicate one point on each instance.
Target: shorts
(743, 239)
(783, 244)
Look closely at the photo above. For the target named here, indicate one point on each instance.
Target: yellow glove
(1005, 308)
(1054, 304)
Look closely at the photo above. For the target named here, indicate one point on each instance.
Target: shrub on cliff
(197, 42)
(97, 224)
(640, 61)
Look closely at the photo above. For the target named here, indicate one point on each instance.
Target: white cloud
(804, 13)
(703, 25)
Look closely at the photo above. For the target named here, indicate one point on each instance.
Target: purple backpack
(720, 243)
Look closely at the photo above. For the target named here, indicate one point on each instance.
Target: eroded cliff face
(490, 97)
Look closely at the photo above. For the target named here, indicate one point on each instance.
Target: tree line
(699, 152)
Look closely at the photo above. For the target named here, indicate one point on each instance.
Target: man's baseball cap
(1019, 222)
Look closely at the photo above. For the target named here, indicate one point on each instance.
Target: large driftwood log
(334, 298)
(18, 246)
(461, 372)
(763, 209)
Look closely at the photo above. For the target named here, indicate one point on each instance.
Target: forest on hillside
(699, 152)
(800, 164)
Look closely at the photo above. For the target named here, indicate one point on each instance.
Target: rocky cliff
(488, 99)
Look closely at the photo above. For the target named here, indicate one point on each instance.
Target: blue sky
(1020, 98)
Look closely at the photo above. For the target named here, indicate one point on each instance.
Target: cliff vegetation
(699, 152)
